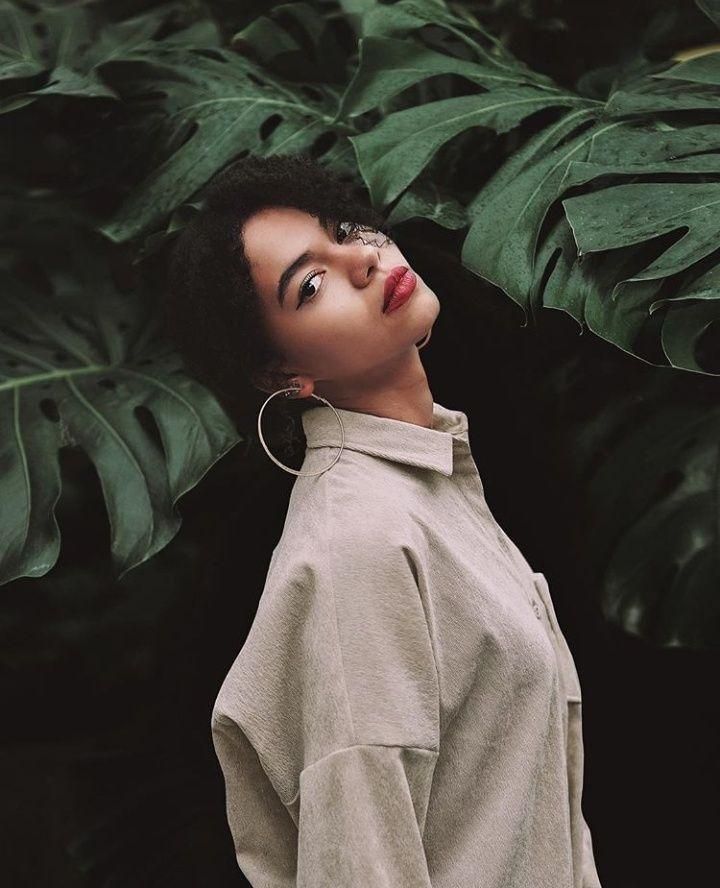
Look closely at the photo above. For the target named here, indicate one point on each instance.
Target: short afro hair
(210, 307)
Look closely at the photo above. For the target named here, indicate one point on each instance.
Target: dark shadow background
(108, 773)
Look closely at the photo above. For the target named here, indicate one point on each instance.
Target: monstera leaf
(62, 50)
(606, 213)
(428, 200)
(711, 8)
(663, 575)
(297, 41)
(613, 293)
(16, 28)
(396, 151)
(83, 367)
(650, 505)
(59, 51)
(210, 106)
(216, 105)
(81, 129)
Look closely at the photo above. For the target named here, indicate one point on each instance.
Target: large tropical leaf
(21, 57)
(429, 201)
(62, 49)
(672, 173)
(559, 273)
(575, 217)
(395, 152)
(645, 467)
(711, 8)
(297, 41)
(387, 66)
(83, 367)
(81, 129)
(663, 574)
(275, 94)
(210, 106)
(536, 228)
(215, 105)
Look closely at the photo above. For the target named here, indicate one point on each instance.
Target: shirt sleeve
(327, 725)
(362, 817)
(263, 832)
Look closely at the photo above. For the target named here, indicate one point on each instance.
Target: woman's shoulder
(338, 541)
(340, 633)
(362, 496)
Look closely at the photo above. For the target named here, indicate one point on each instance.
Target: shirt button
(536, 608)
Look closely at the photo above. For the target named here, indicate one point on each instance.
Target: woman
(405, 710)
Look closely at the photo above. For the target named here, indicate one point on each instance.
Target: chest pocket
(546, 612)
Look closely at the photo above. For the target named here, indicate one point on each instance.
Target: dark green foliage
(532, 155)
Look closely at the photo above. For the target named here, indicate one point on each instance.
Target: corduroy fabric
(405, 711)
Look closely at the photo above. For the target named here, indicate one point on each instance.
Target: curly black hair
(210, 307)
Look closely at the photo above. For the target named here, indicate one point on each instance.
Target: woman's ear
(266, 381)
(271, 381)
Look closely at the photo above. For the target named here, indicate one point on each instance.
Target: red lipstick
(399, 286)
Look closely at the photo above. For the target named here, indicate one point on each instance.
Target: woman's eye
(340, 228)
(348, 229)
(305, 283)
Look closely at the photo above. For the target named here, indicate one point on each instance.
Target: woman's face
(330, 326)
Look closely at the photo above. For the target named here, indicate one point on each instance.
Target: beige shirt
(405, 711)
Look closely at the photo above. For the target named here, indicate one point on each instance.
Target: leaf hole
(547, 273)
(149, 425)
(269, 126)
(49, 410)
(575, 133)
(323, 144)
(707, 347)
(311, 92)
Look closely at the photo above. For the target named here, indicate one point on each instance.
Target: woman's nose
(368, 271)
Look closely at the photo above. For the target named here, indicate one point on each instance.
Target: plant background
(136, 523)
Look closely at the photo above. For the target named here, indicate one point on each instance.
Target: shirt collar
(404, 442)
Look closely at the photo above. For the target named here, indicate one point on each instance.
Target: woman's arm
(362, 816)
(327, 725)
(263, 832)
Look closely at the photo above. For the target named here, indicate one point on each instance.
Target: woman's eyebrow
(294, 267)
(290, 272)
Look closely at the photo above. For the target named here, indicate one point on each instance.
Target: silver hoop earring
(425, 341)
(277, 461)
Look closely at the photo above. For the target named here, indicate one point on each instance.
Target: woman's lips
(391, 280)
(402, 291)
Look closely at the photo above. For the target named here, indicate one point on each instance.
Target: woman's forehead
(274, 238)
